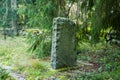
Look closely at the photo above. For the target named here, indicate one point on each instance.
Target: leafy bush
(40, 43)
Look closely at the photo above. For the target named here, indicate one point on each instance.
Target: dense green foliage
(41, 43)
(6, 13)
(94, 19)
(3, 74)
(106, 16)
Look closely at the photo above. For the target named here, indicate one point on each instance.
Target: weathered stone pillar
(63, 43)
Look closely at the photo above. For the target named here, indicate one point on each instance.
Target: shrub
(40, 43)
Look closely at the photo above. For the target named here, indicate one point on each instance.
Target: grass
(13, 52)
(11, 47)
(100, 62)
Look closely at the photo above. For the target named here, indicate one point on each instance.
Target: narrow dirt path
(15, 75)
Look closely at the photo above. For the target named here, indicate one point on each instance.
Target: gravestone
(63, 52)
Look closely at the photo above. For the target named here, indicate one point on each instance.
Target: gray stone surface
(63, 43)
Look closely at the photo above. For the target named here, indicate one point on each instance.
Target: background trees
(9, 17)
(92, 18)
(105, 17)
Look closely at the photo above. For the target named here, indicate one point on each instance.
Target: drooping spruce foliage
(106, 16)
(40, 13)
(5, 13)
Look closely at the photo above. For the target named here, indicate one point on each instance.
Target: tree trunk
(14, 17)
(5, 18)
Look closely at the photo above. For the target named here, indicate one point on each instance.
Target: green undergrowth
(104, 58)
(10, 47)
(13, 52)
(4, 75)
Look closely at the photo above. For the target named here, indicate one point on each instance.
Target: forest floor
(92, 63)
